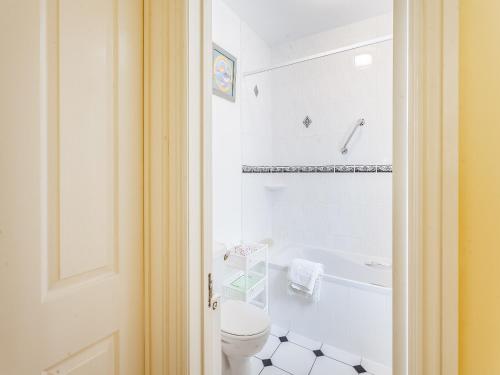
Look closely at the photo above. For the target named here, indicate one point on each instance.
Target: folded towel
(304, 277)
(316, 294)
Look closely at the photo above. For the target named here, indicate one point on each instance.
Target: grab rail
(360, 123)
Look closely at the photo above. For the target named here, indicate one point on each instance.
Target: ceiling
(278, 21)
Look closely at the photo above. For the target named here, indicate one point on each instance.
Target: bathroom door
(71, 288)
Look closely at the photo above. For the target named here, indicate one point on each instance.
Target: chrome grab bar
(345, 150)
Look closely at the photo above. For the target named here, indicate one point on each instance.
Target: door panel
(81, 122)
(71, 272)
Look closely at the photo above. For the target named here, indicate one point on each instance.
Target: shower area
(314, 160)
(316, 152)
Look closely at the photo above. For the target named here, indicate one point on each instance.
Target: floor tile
(268, 350)
(372, 367)
(327, 366)
(273, 371)
(360, 369)
(340, 355)
(303, 341)
(257, 366)
(267, 362)
(293, 359)
(278, 331)
(318, 353)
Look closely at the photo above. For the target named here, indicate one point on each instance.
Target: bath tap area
(302, 186)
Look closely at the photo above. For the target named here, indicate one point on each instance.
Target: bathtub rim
(369, 287)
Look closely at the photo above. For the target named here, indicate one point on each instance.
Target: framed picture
(224, 73)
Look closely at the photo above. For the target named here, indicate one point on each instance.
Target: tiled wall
(226, 136)
(315, 207)
(236, 37)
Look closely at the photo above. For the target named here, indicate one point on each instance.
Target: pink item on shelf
(245, 250)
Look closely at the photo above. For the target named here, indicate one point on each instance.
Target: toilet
(244, 332)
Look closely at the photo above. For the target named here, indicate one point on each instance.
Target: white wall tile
(236, 142)
(226, 138)
(344, 212)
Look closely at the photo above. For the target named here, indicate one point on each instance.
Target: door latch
(213, 300)
(210, 289)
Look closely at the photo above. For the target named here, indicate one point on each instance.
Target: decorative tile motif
(317, 169)
(293, 354)
(344, 169)
(384, 168)
(359, 369)
(325, 169)
(365, 168)
(318, 353)
(307, 122)
(267, 362)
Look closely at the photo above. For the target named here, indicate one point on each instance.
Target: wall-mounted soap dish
(275, 187)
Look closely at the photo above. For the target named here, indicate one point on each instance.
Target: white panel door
(71, 273)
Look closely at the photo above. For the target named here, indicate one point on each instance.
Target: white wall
(256, 137)
(230, 33)
(226, 136)
(331, 39)
(348, 212)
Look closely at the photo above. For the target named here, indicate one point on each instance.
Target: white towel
(304, 278)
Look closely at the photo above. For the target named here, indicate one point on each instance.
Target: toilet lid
(243, 319)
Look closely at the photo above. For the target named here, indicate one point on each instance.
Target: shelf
(245, 262)
(244, 284)
(249, 274)
(235, 287)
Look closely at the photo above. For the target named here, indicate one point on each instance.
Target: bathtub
(354, 313)
(340, 267)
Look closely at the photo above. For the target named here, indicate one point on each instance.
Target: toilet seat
(243, 320)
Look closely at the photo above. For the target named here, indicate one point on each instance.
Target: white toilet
(244, 332)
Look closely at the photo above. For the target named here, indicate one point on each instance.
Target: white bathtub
(354, 313)
(340, 267)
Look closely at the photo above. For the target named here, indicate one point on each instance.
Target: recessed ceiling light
(363, 60)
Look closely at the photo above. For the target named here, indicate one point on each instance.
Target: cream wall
(479, 187)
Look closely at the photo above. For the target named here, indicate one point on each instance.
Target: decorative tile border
(318, 169)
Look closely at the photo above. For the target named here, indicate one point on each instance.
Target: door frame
(178, 243)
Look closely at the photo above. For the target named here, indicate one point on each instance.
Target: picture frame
(224, 73)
